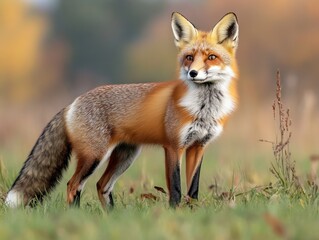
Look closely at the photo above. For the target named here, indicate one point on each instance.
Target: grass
(232, 202)
(254, 216)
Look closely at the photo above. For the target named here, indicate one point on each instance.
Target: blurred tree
(98, 32)
(21, 32)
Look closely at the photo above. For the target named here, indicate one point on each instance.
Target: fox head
(206, 56)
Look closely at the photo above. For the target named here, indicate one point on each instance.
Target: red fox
(110, 123)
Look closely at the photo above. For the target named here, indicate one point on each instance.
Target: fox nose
(193, 73)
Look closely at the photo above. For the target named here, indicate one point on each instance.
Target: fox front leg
(194, 157)
(173, 181)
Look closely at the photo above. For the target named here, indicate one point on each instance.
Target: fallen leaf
(276, 225)
(224, 196)
(213, 186)
(148, 196)
(160, 189)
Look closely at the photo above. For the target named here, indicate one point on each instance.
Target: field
(222, 213)
(257, 180)
(236, 201)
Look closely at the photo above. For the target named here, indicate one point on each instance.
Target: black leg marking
(90, 170)
(193, 190)
(175, 194)
(111, 200)
(110, 204)
(76, 200)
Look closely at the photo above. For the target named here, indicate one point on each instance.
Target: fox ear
(226, 31)
(184, 31)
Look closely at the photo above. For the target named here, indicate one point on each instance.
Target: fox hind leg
(85, 168)
(120, 160)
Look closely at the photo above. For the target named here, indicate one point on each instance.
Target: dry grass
(3, 180)
(283, 167)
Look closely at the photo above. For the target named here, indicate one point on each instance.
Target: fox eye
(189, 58)
(212, 57)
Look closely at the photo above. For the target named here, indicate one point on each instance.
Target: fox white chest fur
(207, 103)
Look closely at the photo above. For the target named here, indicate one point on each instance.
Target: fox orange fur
(110, 123)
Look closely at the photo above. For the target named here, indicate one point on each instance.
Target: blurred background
(51, 51)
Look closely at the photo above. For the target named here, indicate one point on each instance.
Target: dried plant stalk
(283, 168)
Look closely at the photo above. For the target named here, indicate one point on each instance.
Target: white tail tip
(13, 199)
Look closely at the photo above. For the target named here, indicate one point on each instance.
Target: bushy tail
(44, 166)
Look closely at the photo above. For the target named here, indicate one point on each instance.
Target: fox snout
(196, 74)
(193, 73)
